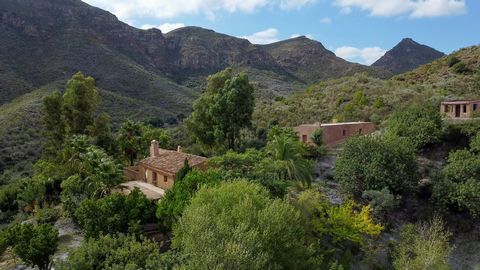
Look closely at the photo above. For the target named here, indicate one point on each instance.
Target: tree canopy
(223, 110)
(240, 227)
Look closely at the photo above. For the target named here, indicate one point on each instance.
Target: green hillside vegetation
(258, 205)
(361, 97)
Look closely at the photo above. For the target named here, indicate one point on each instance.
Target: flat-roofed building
(460, 109)
(334, 133)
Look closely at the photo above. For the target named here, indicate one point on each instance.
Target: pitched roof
(172, 161)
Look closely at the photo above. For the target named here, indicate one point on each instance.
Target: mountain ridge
(407, 55)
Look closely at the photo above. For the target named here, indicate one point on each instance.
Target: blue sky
(357, 30)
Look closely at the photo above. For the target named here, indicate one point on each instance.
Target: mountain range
(143, 74)
(43, 41)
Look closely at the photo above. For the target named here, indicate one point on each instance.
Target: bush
(458, 184)
(421, 125)
(114, 252)
(382, 201)
(452, 60)
(47, 215)
(171, 207)
(374, 163)
(460, 68)
(35, 245)
(423, 247)
(240, 227)
(116, 213)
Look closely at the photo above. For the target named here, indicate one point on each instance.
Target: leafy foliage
(240, 227)
(374, 163)
(423, 247)
(54, 125)
(35, 245)
(79, 103)
(223, 110)
(459, 185)
(92, 173)
(116, 213)
(113, 252)
(421, 125)
(171, 207)
(335, 230)
(291, 153)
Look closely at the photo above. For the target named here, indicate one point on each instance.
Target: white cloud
(266, 36)
(294, 4)
(366, 56)
(310, 36)
(163, 9)
(413, 8)
(326, 20)
(166, 27)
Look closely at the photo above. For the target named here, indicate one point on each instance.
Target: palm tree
(290, 151)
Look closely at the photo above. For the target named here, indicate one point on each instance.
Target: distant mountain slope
(407, 55)
(311, 62)
(42, 41)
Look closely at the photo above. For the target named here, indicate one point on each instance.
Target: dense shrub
(452, 60)
(382, 201)
(171, 207)
(423, 247)
(374, 163)
(116, 213)
(421, 125)
(35, 245)
(458, 184)
(335, 231)
(460, 68)
(240, 227)
(47, 215)
(114, 252)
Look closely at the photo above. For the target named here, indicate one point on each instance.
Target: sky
(357, 30)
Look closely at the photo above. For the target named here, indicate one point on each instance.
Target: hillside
(311, 62)
(407, 55)
(361, 97)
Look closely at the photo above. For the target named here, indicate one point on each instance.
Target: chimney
(179, 149)
(154, 149)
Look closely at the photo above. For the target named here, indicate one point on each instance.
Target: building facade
(162, 166)
(333, 133)
(460, 109)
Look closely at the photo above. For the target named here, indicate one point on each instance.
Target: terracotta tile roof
(172, 161)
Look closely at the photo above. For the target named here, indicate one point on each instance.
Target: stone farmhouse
(156, 173)
(334, 133)
(460, 109)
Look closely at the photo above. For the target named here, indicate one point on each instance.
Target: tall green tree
(53, 124)
(233, 109)
(35, 245)
(102, 132)
(80, 102)
(223, 110)
(130, 140)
